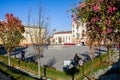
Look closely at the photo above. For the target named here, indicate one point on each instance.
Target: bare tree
(38, 36)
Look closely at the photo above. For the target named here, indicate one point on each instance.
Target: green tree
(11, 31)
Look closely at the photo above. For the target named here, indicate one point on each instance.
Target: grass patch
(15, 74)
(97, 64)
(33, 68)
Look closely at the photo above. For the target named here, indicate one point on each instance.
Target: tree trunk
(100, 54)
(8, 58)
(92, 50)
(45, 67)
(109, 56)
(39, 66)
(92, 64)
(73, 76)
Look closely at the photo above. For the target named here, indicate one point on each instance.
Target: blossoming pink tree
(102, 18)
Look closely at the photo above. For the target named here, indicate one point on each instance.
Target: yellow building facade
(33, 35)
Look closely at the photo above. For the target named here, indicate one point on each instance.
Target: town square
(59, 40)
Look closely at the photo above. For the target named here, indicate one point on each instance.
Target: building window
(77, 27)
(73, 35)
(63, 38)
(59, 39)
(26, 35)
(77, 34)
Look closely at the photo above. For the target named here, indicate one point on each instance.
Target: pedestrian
(82, 42)
(23, 55)
(76, 58)
(47, 46)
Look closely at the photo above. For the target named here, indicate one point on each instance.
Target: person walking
(23, 55)
(76, 59)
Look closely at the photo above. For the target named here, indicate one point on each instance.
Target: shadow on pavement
(18, 50)
(2, 50)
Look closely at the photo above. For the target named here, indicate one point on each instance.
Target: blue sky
(55, 9)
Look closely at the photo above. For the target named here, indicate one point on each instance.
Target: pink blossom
(74, 19)
(96, 8)
(100, 0)
(81, 5)
(98, 28)
(73, 15)
(109, 30)
(108, 22)
(117, 45)
(111, 9)
(94, 19)
(104, 32)
(88, 23)
(114, 8)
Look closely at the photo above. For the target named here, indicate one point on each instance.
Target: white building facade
(62, 37)
(75, 36)
(78, 31)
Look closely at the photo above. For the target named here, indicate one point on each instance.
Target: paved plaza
(56, 54)
(62, 54)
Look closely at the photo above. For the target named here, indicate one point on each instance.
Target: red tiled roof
(63, 32)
